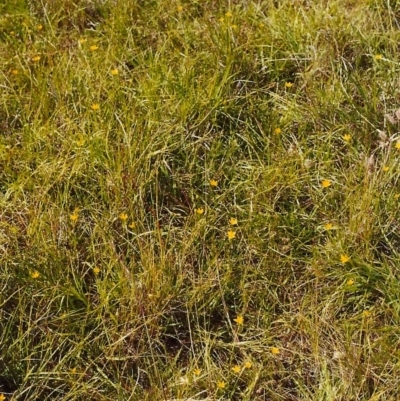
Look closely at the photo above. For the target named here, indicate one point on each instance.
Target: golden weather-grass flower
(213, 183)
(96, 270)
(231, 234)
(288, 85)
(344, 258)
(328, 226)
(35, 274)
(275, 351)
(386, 168)
(236, 369)
(228, 14)
(350, 281)
(346, 137)
(95, 106)
(2, 397)
(197, 372)
(221, 19)
(123, 216)
(93, 47)
(378, 57)
(277, 131)
(36, 59)
(239, 320)
(74, 216)
(114, 71)
(396, 196)
(14, 72)
(132, 225)
(233, 221)
(367, 313)
(221, 384)
(82, 40)
(326, 183)
(199, 210)
(397, 146)
(40, 27)
(247, 365)
(179, 8)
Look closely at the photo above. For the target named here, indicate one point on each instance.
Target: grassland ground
(199, 200)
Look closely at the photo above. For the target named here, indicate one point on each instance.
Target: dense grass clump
(199, 200)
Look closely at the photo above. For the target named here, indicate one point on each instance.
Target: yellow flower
(123, 216)
(346, 137)
(367, 313)
(213, 183)
(221, 19)
(221, 384)
(180, 8)
(114, 71)
(74, 217)
(95, 106)
(231, 234)
(288, 84)
(378, 56)
(397, 146)
(277, 131)
(96, 270)
(40, 27)
(275, 350)
(35, 274)
(197, 372)
(236, 369)
(350, 281)
(397, 196)
(326, 183)
(261, 25)
(247, 365)
(80, 141)
(132, 225)
(239, 320)
(82, 40)
(93, 47)
(344, 258)
(328, 226)
(14, 72)
(36, 59)
(73, 370)
(233, 221)
(2, 398)
(386, 168)
(228, 14)
(199, 210)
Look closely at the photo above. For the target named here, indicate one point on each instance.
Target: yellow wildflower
(378, 56)
(239, 320)
(346, 137)
(199, 210)
(261, 25)
(74, 217)
(35, 274)
(80, 141)
(221, 384)
(95, 106)
(231, 234)
(328, 226)
(396, 196)
(288, 84)
(73, 370)
(114, 71)
(14, 72)
(221, 19)
(36, 59)
(96, 270)
(344, 258)
(236, 369)
(367, 313)
(397, 146)
(132, 225)
(234, 27)
(180, 8)
(2, 397)
(197, 372)
(326, 183)
(247, 365)
(81, 40)
(93, 48)
(213, 183)
(123, 216)
(228, 14)
(40, 27)
(275, 350)
(277, 131)
(233, 221)
(386, 168)
(350, 281)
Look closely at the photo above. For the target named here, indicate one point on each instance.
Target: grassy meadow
(199, 200)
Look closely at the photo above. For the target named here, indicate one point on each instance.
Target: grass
(199, 200)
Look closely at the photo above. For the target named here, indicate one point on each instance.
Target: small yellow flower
(247, 365)
(397, 146)
(93, 48)
(261, 25)
(36, 59)
(82, 40)
(328, 226)
(378, 56)
(350, 281)
(35, 274)
(233, 221)
(277, 131)
(346, 137)
(96, 270)
(213, 183)
(367, 313)
(344, 258)
(199, 210)
(80, 141)
(386, 168)
(14, 72)
(73, 370)
(197, 372)
(228, 14)
(180, 8)
(231, 234)
(236, 369)
(12, 33)
(221, 20)
(95, 106)
(396, 196)
(2, 397)
(234, 27)
(123, 216)
(114, 71)
(40, 27)
(239, 320)
(288, 84)
(221, 384)
(74, 217)
(132, 225)
(275, 350)
(326, 183)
